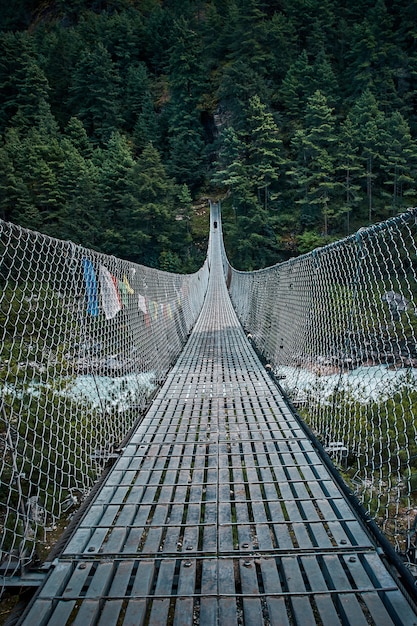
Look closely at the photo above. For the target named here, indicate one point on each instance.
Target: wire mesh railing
(86, 339)
(338, 326)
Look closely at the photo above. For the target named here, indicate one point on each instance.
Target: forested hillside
(117, 116)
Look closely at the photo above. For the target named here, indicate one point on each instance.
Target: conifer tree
(313, 21)
(350, 169)
(373, 57)
(232, 170)
(399, 165)
(77, 134)
(95, 93)
(296, 87)
(369, 124)
(15, 50)
(147, 127)
(282, 40)
(15, 201)
(152, 207)
(264, 147)
(240, 82)
(44, 160)
(136, 91)
(31, 178)
(186, 153)
(79, 219)
(123, 35)
(58, 51)
(315, 163)
(159, 39)
(249, 36)
(323, 78)
(185, 133)
(114, 214)
(32, 99)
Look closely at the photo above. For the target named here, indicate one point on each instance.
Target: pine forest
(119, 118)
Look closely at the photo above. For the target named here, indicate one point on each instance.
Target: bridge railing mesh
(86, 339)
(338, 326)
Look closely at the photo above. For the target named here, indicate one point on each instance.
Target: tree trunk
(369, 189)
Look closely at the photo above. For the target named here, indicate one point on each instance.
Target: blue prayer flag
(91, 287)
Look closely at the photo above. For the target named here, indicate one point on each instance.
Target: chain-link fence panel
(338, 327)
(86, 339)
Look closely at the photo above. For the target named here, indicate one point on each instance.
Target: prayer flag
(91, 287)
(142, 304)
(110, 297)
(129, 289)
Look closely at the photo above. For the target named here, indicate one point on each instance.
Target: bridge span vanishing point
(220, 509)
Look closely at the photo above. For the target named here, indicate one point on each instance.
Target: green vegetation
(381, 466)
(118, 116)
(30, 406)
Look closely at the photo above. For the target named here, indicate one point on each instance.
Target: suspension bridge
(218, 505)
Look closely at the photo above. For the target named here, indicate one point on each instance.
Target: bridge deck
(219, 511)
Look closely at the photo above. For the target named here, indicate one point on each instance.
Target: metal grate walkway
(219, 511)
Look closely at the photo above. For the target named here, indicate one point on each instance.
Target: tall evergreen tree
(15, 50)
(136, 91)
(313, 21)
(152, 196)
(265, 149)
(15, 202)
(314, 171)
(114, 214)
(296, 87)
(79, 219)
(369, 124)
(350, 169)
(399, 164)
(58, 54)
(77, 134)
(32, 99)
(159, 38)
(239, 82)
(323, 78)
(281, 37)
(44, 161)
(95, 93)
(373, 57)
(249, 36)
(123, 35)
(147, 128)
(185, 132)
(232, 169)
(186, 154)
